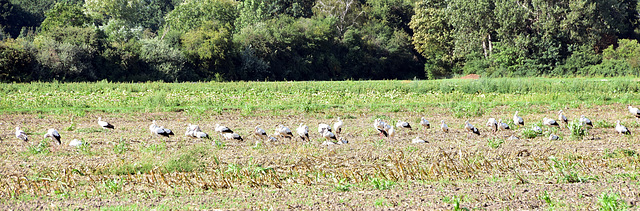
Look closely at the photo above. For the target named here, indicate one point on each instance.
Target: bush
(16, 61)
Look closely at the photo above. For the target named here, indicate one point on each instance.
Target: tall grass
(465, 95)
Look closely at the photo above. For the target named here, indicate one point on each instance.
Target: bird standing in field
(194, 131)
(502, 125)
(550, 122)
(104, 124)
(303, 132)
(329, 136)
(259, 132)
(471, 128)
(230, 136)
(493, 124)
(563, 118)
(634, 111)
(284, 131)
(444, 128)
(21, 135)
(585, 121)
(53, 135)
(323, 127)
(222, 129)
(338, 126)
(517, 120)
(425, 123)
(536, 129)
(403, 124)
(159, 130)
(391, 132)
(622, 129)
(380, 126)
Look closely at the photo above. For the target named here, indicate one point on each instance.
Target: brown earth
(471, 76)
(517, 174)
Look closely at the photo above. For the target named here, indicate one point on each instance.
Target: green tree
(64, 15)
(192, 14)
(209, 47)
(433, 36)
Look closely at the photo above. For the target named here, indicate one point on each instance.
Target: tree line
(202, 40)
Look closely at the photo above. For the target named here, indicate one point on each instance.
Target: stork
(518, 120)
(562, 117)
(21, 135)
(323, 127)
(159, 130)
(444, 128)
(622, 129)
(379, 125)
(471, 128)
(584, 121)
(284, 131)
(303, 131)
(550, 122)
(634, 111)
(425, 123)
(502, 125)
(329, 136)
(53, 135)
(230, 136)
(338, 126)
(403, 124)
(259, 132)
(493, 124)
(222, 129)
(104, 124)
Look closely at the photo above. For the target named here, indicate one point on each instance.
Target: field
(128, 168)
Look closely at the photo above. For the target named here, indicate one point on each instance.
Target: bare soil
(517, 174)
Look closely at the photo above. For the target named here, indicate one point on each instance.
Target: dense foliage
(202, 40)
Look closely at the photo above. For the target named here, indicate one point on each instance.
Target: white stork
(502, 125)
(418, 140)
(75, 143)
(323, 127)
(584, 121)
(159, 130)
(284, 131)
(338, 126)
(471, 128)
(493, 124)
(21, 135)
(259, 132)
(634, 111)
(53, 135)
(303, 131)
(536, 129)
(222, 129)
(425, 123)
(391, 132)
(622, 129)
(230, 136)
(550, 122)
(518, 120)
(329, 136)
(104, 124)
(562, 117)
(403, 124)
(444, 128)
(380, 126)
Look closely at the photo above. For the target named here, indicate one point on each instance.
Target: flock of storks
(327, 132)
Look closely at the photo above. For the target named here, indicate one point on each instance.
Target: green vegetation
(611, 201)
(466, 98)
(226, 40)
